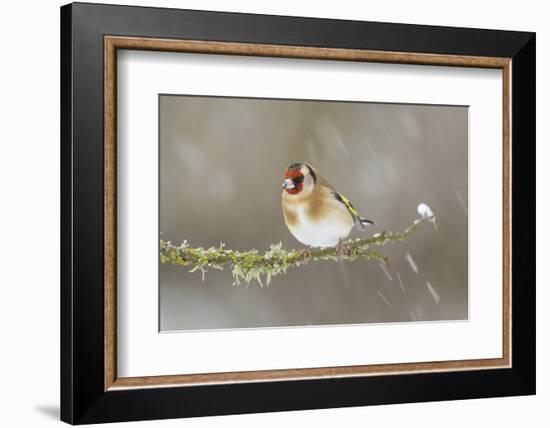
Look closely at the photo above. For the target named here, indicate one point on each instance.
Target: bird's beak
(288, 184)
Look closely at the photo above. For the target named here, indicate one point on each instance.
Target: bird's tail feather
(363, 222)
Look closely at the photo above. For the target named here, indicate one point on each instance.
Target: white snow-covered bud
(425, 211)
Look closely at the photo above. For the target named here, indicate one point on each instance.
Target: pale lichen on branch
(253, 265)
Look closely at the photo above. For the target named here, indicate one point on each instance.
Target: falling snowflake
(412, 263)
(434, 294)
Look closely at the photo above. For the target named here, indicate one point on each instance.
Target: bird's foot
(343, 249)
(306, 255)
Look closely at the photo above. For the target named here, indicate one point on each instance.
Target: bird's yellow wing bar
(347, 203)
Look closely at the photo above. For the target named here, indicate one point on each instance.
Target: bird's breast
(320, 230)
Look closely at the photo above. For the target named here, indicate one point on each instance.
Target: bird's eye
(298, 179)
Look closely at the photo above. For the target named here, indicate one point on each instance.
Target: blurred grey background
(221, 167)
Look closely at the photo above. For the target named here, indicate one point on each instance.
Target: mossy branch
(253, 265)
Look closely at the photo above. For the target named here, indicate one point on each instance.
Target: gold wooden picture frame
(114, 43)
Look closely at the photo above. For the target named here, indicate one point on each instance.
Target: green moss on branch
(253, 265)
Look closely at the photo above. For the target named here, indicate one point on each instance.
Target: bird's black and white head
(300, 178)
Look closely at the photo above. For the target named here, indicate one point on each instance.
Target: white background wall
(29, 213)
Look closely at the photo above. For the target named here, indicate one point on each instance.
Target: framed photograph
(265, 213)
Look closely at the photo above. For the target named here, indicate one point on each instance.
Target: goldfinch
(316, 214)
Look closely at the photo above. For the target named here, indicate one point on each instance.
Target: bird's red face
(294, 179)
